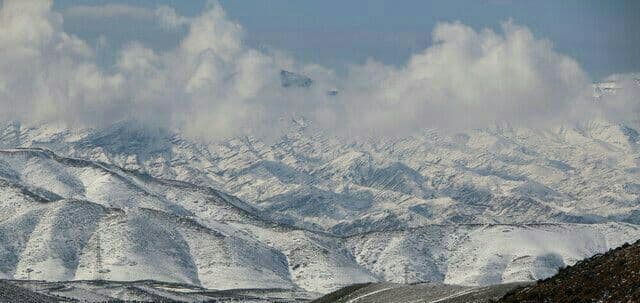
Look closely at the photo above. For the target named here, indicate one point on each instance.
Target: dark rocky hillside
(420, 292)
(10, 292)
(610, 277)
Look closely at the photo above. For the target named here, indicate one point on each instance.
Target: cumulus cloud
(169, 18)
(467, 78)
(213, 86)
(209, 85)
(45, 72)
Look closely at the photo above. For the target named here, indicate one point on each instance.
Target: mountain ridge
(297, 168)
(319, 212)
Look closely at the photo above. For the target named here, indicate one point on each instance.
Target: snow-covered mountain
(314, 213)
(581, 173)
(71, 219)
(311, 211)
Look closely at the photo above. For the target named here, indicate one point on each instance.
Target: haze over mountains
(311, 211)
(488, 158)
(574, 173)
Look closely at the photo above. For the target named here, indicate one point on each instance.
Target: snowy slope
(313, 211)
(569, 173)
(122, 226)
(55, 226)
(484, 254)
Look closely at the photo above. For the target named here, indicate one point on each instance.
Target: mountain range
(312, 212)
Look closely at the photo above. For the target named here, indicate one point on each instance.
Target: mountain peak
(291, 79)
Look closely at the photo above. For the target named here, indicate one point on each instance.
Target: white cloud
(212, 85)
(109, 11)
(624, 104)
(46, 71)
(165, 16)
(466, 79)
(169, 18)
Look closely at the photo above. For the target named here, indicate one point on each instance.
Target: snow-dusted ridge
(127, 228)
(583, 173)
(310, 211)
(72, 219)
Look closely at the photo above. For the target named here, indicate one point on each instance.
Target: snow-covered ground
(70, 219)
(138, 291)
(311, 211)
(583, 173)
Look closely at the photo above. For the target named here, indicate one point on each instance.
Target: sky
(211, 69)
(601, 35)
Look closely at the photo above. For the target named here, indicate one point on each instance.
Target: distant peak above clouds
(290, 79)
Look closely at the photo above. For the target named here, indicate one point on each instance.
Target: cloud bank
(624, 104)
(469, 79)
(213, 86)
